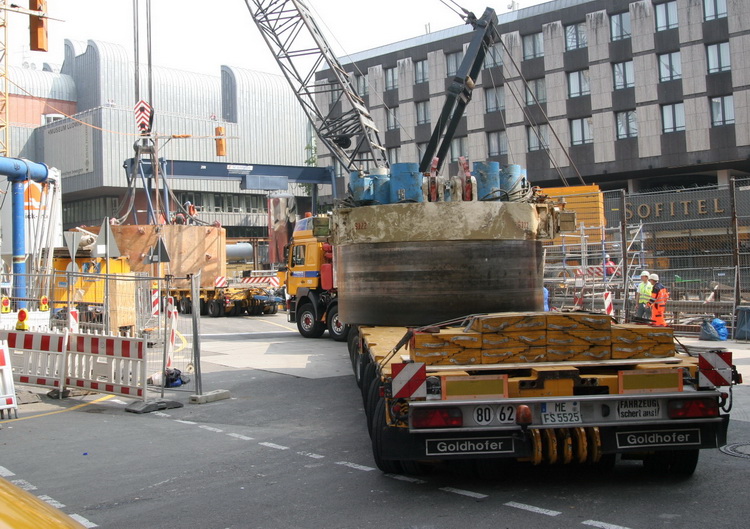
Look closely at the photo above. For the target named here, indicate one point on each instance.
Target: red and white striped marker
(715, 369)
(155, 302)
(608, 308)
(172, 322)
(220, 282)
(73, 320)
(409, 380)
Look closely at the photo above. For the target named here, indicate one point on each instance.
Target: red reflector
(436, 417)
(684, 408)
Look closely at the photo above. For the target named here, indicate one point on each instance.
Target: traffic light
(38, 26)
(221, 142)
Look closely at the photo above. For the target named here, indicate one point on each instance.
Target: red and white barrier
(8, 399)
(268, 281)
(73, 320)
(608, 308)
(221, 282)
(154, 302)
(37, 358)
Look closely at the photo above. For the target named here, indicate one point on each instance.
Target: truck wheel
(203, 307)
(678, 463)
(336, 328)
(215, 309)
(388, 466)
(373, 394)
(368, 378)
(307, 325)
(185, 306)
(352, 344)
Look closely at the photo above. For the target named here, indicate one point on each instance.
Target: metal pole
(625, 261)
(195, 281)
(735, 253)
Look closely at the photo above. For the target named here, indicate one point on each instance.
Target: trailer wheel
(389, 466)
(203, 307)
(185, 305)
(352, 344)
(373, 394)
(215, 308)
(678, 463)
(336, 328)
(368, 378)
(307, 325)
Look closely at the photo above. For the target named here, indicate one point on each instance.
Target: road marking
(160, 414)
(239, 436)
(185, 422)
(118, 401)
(76, 407)
(409, 479)
(531, 508)
(310, 454)
(83, 521)
(210, 428)
(23, 484)
(354, 466)
(462, 492)
(5, 473)
(272, 445)
(602, 525)
(56, 504)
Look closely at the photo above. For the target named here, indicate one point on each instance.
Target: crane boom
(300, 49)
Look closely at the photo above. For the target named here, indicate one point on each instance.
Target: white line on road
(5, 473)
(56, 504)
(272, 445)
(410, 479)
(355, 466)
(240, 436)
(160, 414)
(462, 492)
(310, 454)
(185, 422)
(118, 401)
(602, 525)
(23, 484)
(531, 508)
(211, 428)
(83, 521)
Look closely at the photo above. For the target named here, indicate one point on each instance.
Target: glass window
(578, 83)
(673, 117)
(453, 61)
(575, 36)
(494, 56)
(533, 46)
(393, 155)
(722, 111)
(392, 118)
(666, 16)
(670, 67)
(391, 78)
(458, 148)
(620, 26)
(714, 9)
(363, 87)
(336, 92)
(423, 112)
(298, 255)
(580, 131)
(494, 99)
(718, 57)
(497, 143)
(627, 124)
(537, 137)
(536, 91)
(623, 74)
(421, 72)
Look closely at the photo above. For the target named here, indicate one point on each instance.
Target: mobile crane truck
(441, 281)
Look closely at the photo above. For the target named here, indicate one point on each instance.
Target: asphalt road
(290, 449)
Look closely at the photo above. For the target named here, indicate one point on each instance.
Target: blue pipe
(19, 171)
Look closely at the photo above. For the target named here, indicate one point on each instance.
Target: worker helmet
(654, 277)
(606, 256)
(645, 273)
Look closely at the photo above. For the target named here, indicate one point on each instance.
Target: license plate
(561, 413)
(486, 415)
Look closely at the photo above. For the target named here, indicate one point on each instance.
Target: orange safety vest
(659, 298)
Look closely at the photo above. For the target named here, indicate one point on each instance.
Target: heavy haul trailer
(553, 388)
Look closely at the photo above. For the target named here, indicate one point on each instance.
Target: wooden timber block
(509, 321)
(447, 356)
(450, 337)
(642, 350)
(578, 321)
(587, 338)
(631, 333)
(513, 355)
(499, 340)
(578, 353)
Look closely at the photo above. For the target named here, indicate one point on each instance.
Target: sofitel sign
(660, 209)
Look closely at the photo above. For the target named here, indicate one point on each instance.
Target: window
(627, 125)
(580, 131)
(393, 155)
(392, 118)
(536, 88)
(494, 56)
(666, 16)
(537, 137)
(714, 9)
(423, 112)
(494, 99)
(298, 255)
(718, 57)
(576, 36)
(48, 119)
(673, 117)
(620, 26)
(391, 78)
(578, 83)
(722, 111)
(458, 148)
(336, 92)
(497, 143)
(533, 46)
(623, 74)
(363, 86)
(670, 67)
(453, 61)
(421, 72)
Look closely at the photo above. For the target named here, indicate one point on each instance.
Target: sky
(201, 35)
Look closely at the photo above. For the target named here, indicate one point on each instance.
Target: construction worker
(658, 301)
(643, 295)
(609, 266)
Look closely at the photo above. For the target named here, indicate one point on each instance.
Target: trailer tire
(203, 307)
(337, 329)
(389, 466)
(676, 464)
(368, 377)
(214, 308)
(373, 394)
(307, 325)
(185, 305)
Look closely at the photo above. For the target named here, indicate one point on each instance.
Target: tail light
(436, 417)
(692, 408)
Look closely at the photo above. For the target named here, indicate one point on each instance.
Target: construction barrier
(38, 358)
(8, 399)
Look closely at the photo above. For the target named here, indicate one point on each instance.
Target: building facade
(642, 95)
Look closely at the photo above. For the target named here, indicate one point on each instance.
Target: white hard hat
(644, 273)
(654, 277)
(606, 256)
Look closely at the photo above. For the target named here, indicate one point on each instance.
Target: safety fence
(697, 240)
